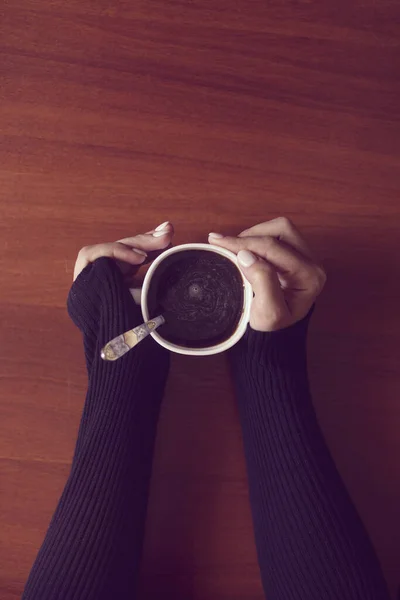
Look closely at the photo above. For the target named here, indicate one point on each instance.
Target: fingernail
(217, 236)
(246, 258)
(162, 226)
(160, 233)
(139, 251)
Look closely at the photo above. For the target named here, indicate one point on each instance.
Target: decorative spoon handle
(120, 345)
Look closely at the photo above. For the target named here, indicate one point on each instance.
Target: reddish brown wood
(215, 115)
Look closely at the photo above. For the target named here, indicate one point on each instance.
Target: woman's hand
(285, 277)
(130, 252)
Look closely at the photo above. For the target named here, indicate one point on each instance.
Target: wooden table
(216, 115)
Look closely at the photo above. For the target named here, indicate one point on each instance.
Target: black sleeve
(310, 540)
(93, 544)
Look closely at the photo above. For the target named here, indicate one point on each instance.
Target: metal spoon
(120, 345)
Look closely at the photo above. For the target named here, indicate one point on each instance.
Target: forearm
(97, 530)
(310, 540)
(93, 545)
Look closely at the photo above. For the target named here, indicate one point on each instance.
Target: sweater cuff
(100, 284)
(272, 348)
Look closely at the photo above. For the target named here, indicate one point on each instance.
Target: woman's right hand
(285, 277)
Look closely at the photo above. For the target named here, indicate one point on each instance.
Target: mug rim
(244, 318)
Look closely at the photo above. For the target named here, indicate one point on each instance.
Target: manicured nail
(162, 226)
(139, 251)
(216, 236)
(246, 258)
(160, 233)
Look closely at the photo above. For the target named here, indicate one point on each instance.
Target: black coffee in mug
(200, 294)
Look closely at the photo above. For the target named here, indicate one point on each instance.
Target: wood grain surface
(216, 115)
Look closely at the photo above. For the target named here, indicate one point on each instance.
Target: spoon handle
(120, 345)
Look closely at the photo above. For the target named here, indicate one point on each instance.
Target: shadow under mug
(140, 297)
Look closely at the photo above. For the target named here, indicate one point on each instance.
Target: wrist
(281, 347)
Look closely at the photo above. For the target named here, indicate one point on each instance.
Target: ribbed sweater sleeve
(310, 540)
(93, 544)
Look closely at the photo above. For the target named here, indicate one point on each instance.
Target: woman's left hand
(130, 252)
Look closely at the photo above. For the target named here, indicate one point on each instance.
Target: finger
(116, 250)
(269, 310)
(150, 242)
(283, 229)
(165, 225)
(287, 260)
(295, 271)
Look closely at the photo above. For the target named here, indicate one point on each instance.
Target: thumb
(269, 310)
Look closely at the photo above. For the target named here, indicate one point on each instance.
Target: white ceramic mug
(140, 297)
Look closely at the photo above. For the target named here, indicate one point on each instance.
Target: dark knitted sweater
(311, 543)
